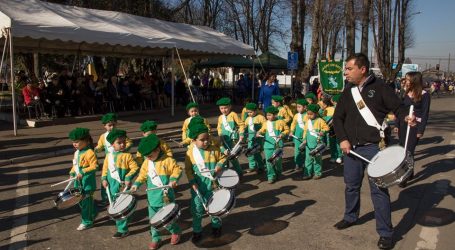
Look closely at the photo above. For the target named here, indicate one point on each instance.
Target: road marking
(429, 236)
(18, 234)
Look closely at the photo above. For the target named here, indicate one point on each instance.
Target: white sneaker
(82, 227)
(338, 160)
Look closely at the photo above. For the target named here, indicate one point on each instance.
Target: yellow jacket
(124, 163)
(164, 166)
(285, 113)
(185, 139)
(163, 147)
(87, 162)
(102, 144)
(329, 111)
(319, 125)
(295, 122)
(233, 120)
(280, 125)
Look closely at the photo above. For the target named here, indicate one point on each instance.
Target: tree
(350, 27)
(316, 28)
(365, 26)
(298, 11)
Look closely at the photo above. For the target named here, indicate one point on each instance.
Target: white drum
(165, 216)
(221, 202)
(390, 166)
(122, 207)
(228, 178)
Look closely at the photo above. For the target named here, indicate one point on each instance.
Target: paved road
(290, 214)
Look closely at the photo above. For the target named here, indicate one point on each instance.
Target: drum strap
(226, 125)
(271, 131)
(250, 123)
(112, 169)
(76, 162)
(197, 156)
(300, 120)
(154, 177)
(310, 128)
(366, 112)
(107, 145)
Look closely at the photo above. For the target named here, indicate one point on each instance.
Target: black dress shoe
(196, 237)
(385, 243)
(343, 224)
(216, 232)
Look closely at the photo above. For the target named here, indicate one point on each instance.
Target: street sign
(293, 60)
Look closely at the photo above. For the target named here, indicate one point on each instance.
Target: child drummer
(158, 169)
(335, 150)
(327, 113)
(202, 155)
(284, 112)
(84, 169)
(192, 109)
(148, 128)
(228, 123)
(119, 168)
(274, 131)
(253, 123)
(315, 128)
(297, 127)
(109, 122)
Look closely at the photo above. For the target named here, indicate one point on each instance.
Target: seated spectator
(32, 98)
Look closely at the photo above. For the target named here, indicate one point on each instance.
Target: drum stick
(411, 111)
(69, 184)
(295, 137)
(170, 139)
(202, 200)
(155, 188)
(109, 195)
(63, 182)
(208, 171)
(359, 156)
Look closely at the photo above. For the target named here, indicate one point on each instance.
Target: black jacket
(380, 99)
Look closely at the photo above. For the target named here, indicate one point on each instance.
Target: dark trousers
(354, 170)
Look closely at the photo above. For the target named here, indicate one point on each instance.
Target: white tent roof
(52, 28)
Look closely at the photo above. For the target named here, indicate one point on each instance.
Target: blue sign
(293, 60)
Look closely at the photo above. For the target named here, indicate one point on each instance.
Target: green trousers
(88, 210)
(155, 234)
(273, 171)
(299, 157)
(255, 161)
(335, 150)
(235, 163)
(122, 225)
(198, 211)
(313, 165)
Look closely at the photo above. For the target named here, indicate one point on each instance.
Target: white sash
(271, 131)
(310, 128)
(251, 124)
(366, 112)
(226, 124)
(112, 169)
(200, 163)
(109, 147)
(76, 162)
(300, 120)
(154, 177)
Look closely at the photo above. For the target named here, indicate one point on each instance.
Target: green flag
(331, 77)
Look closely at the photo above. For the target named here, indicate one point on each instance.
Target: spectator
(268, 89)
(241, 88)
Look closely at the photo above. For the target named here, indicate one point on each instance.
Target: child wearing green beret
(148, 128)
(201, 156)
(244, 113)
(314, 130)
(284, 112)
(193, 110)
(228, 124)
(297, 127)
(253, 123)
(335, 150)
(311, 98)
(274, 131)
(119, 168)
(327, 113)
(84, 169)
(158, 169)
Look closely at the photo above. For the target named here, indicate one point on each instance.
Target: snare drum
(68, 198)
(221, 202)
(318, 150)
(228, 179)
(253, 150)
(122, 207)
(235, 152)
(277, 154)
(390, 166)
(165, 216)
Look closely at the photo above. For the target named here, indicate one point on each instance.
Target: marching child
(311, 98)
(297, 127)
(274, 131)
(315, 128)
(158, 169)
(284, 113)
(253, 123)
(148, 128)
(327, 113)
(84, 169)
(202, 155)
(109, 122)
(228, 123)
(335, 150)
(119, 168)
(244, 113)
(192, 109)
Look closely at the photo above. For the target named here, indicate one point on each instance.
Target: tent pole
(12, 80)
(184, 74)
(253, 83)
(172, 83)
(3, 55)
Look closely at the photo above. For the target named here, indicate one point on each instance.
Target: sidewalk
(44, 142)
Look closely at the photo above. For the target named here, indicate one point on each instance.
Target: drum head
(121, 203)
(386, 161)
(162, 213)
(228, 178)
(219, 201)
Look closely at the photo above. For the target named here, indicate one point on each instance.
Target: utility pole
(448, 67)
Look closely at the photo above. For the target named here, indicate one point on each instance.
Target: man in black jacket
(354, 133)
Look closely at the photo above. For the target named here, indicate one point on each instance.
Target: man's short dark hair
(361, 60)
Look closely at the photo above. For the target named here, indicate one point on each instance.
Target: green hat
(313, 107)
(310, 95)
(78, 134)
(302, 102)
(335, 98)
(225, 101)
(271, 110)
(109, 117)
(148, 144)
(197, 127)
(277, 98)
(251, 106)
(114, 134)
(192, 105)
(148, 126)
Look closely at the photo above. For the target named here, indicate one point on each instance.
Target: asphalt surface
(290, 214)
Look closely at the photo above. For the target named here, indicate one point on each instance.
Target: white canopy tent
(35, 26)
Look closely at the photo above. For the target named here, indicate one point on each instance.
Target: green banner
(331, 77)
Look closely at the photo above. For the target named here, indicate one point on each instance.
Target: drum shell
(278, 153)
(168, 219)
(67, 195)
(225, 211)
(254, 150)
(400, 173)
(320, 148)
(235, 152)
(125, 213)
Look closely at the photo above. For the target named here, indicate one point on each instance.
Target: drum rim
(403, 162)
(169, 219)
(62, 196)
(228, 206)
(176, 207)
(128, 210)
(391, 174)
